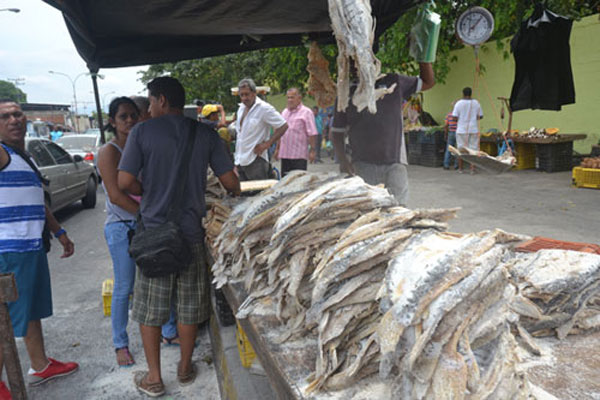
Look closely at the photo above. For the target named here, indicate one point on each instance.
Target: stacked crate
(525, 155)
(433, 147)
(554, 157)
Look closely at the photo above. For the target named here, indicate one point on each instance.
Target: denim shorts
(33, 285)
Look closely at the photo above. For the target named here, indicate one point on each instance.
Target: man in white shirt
(254, 121)
(468, 112)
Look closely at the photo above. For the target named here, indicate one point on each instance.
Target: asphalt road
(78, 330)
(526, 202)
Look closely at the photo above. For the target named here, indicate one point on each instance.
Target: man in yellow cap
(213, 115)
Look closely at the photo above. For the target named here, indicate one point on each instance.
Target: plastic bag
(425, 33)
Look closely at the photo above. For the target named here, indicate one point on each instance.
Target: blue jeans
(447, 155)
(124, 277)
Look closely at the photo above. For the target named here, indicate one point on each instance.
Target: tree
(284, 67)
(9, 90)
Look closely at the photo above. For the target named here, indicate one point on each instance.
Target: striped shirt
(22, 211)
(452, 122)
(301, 125)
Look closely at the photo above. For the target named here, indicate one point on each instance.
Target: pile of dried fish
(445, 331)
(347, 283)
(354, 31)
(320, 84)
(558, 291)
(214, 190)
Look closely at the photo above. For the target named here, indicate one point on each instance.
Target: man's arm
(54, 226)
(277, 133)
(312, 154)
(4, 158)
(427, 76)
(222, 120)
(340, 150)
(230, 182)
(129, 183)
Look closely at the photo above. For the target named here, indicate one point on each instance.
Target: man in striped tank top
(22, 216)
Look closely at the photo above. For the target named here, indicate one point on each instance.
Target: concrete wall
(581, 117)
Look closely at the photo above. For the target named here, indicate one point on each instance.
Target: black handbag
(163, 250)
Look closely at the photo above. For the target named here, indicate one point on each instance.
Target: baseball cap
(209, 109)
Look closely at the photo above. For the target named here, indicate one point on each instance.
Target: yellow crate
(490, 148)
(525, 155)
(107, 291)
(586, 177)
(247, 354)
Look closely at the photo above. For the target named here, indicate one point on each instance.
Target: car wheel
(89, 201)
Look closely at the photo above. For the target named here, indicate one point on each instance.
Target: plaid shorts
(189, 291)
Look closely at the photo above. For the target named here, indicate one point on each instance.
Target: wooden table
(523, 139)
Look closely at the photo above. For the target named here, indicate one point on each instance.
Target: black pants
(257, 170)
(288, 165)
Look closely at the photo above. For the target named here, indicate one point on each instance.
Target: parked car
(70, 178)
(85, 145)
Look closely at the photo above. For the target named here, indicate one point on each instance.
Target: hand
(67, 244)
(260, 148)
(312, 154)
(276, 155)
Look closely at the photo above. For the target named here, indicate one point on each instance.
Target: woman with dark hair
(120, 219)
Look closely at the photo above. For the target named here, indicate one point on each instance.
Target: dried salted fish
(320, 85)
(354, 31)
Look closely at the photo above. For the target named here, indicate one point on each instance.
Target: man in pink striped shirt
(292, 148)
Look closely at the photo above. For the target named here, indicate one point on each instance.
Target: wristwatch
(59, 233)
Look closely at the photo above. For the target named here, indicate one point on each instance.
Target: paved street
(78, 330)
(528, 202)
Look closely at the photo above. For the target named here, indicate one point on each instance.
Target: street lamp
(73, 81)
(15, 10)
(104, 98)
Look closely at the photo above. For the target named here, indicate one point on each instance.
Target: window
(61, 156)
(40, 155)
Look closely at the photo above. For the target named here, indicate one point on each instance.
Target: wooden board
(547, 140)
(251, 186)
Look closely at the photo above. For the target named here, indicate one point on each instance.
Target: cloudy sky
(36, 41)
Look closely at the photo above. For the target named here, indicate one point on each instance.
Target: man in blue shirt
(152, 150)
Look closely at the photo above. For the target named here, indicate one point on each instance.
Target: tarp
(118, 33)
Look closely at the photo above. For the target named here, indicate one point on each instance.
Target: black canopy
(118, 33)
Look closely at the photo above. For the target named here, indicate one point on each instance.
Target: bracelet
(59, 233)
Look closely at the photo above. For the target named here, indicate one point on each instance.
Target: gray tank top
(114, 213)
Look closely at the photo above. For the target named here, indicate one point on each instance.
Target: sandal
(189, 378)
(149, 389)
(124, 357)
(174, 341)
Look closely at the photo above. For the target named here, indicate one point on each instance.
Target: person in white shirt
(255, 119)
(468, 112)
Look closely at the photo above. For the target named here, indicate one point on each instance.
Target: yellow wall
(581, 117)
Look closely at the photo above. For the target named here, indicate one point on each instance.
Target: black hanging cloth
(543, 75)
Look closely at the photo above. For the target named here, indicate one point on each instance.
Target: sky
(35, 41)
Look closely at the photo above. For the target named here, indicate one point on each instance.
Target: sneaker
(53, 370)
(4, 392)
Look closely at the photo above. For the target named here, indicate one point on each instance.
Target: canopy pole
(98, 106)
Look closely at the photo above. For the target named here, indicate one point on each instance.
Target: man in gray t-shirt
(153, 151)
(377, 140)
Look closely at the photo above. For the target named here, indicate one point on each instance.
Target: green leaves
(8, 90)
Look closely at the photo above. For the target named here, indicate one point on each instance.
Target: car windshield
(77, 142)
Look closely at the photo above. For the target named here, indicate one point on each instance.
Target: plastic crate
(432, 155)
(247, 354)
(586, 177)
(554, 157)
(431, 137)
(554, 164)
(107, 291)
(222, 309)
(525, 155)
(489, 148)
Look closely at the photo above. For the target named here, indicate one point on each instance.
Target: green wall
(581, 117)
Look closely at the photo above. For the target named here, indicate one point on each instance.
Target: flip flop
(189, 378)
(169, 341)
(149, 389)
(130, 360)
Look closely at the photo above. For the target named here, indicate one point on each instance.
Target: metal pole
(98, 106)
(75, 103)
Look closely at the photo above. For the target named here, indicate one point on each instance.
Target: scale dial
(475, 26)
